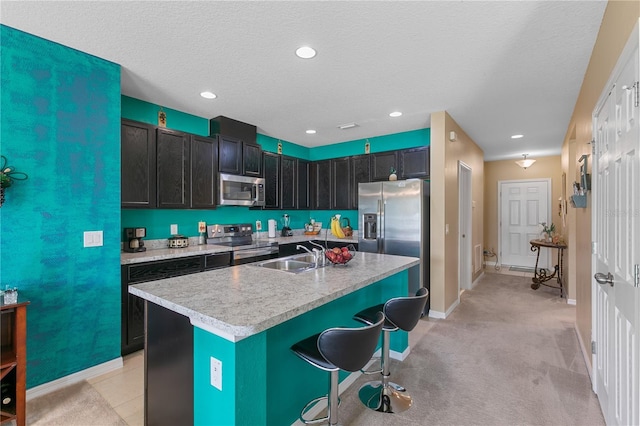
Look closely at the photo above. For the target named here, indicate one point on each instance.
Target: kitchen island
(241, 321)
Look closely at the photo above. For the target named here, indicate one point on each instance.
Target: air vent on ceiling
(347, 126)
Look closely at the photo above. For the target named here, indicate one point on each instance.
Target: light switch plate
(216, 373)
(93, 239)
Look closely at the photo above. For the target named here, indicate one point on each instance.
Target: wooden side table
(13, 360)
(540, 276)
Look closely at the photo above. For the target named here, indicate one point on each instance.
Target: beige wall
(445, 156)
(619, 19)
(496, 171)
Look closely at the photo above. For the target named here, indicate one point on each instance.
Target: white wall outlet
(258, 225)
(93, 239)
(216, 373)
(174, 229)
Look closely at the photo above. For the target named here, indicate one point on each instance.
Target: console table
(540, 276)
(13, 353)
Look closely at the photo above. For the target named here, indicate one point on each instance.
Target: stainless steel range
(240, 238)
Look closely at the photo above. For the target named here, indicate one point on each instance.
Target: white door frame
(544, 256)
(465, 234)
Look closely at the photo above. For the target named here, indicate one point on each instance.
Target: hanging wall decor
(8, 174)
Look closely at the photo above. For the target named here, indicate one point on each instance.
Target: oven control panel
(238, 230)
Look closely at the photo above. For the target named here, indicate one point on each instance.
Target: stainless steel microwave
(240, 190)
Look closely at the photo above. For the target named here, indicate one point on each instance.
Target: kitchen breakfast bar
(217, 342)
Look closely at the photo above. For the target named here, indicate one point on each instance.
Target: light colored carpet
(508, 355)
(75, 405)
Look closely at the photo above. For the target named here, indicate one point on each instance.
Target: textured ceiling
(498, 67)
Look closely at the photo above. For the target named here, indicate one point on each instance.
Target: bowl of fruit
(340, 255)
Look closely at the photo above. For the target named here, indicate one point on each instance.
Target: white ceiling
(498, 67)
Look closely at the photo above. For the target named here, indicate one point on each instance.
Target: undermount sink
(295, 263)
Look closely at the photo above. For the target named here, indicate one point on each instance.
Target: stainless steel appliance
(393, 218)
(239, 237)
(133, 240)
(240, 191)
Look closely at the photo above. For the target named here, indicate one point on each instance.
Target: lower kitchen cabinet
(132, 307)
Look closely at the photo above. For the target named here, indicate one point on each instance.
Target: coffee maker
(133, 240)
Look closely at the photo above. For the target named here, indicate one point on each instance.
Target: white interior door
(524, 204)
(616, 235)
(464, 225)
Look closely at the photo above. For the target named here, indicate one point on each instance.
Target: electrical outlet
(93, 239)
(174, 229)
(216, 373)
(258, 225)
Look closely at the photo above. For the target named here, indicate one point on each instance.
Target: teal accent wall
(251, 397)
(158, 222)
(410, 139)
(60, 124)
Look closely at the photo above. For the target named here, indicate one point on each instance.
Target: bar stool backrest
(405, 312)
(350, 349)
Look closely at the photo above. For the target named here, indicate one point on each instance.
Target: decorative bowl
(340, 256)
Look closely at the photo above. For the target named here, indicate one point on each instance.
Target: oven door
(254, 255)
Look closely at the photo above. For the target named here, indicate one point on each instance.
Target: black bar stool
(401, 313)
(338, 349)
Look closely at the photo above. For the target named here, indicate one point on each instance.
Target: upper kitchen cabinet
(288, 182)
(321, 196)
(381, 164)
(230, 155)
(414, 163)
(271, 180)
(360, 172)
(341, 183)
(239, 152)
(251, 159)
(138, 165)
(204, 172)
(303, 180)
(173, 169)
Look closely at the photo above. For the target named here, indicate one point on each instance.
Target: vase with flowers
(547, 231)
(7, 175)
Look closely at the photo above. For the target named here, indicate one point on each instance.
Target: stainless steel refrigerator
(393, 218)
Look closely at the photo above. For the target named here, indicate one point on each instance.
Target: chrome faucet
(321, 259)
(298, 247)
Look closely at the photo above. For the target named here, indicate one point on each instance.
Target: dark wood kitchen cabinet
(271, 164)
(251, 159)
(138, 165)
(173, 169)
(381, 164)
(303, 173)
(204, 172)
(414, 163)
(321, 185)
(360, 172)
(229, 155)
(288, 182)
(341, 183)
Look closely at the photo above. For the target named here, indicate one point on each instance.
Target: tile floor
(124, 389)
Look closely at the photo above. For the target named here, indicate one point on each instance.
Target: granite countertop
(156, 249)
(240, 301)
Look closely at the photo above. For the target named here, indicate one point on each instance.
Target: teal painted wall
(60, 124)
(158, 222)
(411, 139)
(277, 398)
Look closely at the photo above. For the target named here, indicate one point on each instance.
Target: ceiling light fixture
(517, 136)
(208, 95)
(525, 163)
(311, 132)
(395, 114)
(347, 126)
(305, 52)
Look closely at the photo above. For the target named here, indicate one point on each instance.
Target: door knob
(604, 279)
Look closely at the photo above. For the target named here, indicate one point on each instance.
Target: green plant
(548, 229)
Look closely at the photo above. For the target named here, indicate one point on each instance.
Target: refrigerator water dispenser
(370, 226)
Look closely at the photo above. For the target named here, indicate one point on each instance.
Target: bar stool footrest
(310, 405)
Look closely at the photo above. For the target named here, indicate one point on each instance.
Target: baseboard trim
(436, 314)
(96, 370)
(585, 354)
(475, 282)
(571, 302)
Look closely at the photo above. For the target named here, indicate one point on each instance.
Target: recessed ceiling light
(395, 114)
(208, 95)
(305, 52)
(517, 136)
(311, 132)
